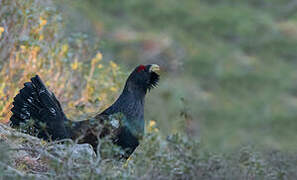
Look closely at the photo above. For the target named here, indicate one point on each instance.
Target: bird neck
(131, 105)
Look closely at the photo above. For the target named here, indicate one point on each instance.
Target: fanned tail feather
(36, 102)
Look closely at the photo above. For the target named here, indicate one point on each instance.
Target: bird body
(123, 120)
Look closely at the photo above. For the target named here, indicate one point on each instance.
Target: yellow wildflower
(99, 98)
(152, 123)
(113, 89)
(152, 127)
(100, 66)
(113, 65)
(99, 56)
(91, 90)
(71, 104)
(64, 48)
(41, 37)
(42, 21)
(47, 83)
(1, 30)
(74, 66)
(43, 142)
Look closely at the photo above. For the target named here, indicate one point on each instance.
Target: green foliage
(233, 61)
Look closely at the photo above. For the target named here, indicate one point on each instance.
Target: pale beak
(154, 68)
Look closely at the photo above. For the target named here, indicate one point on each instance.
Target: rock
(76, 152)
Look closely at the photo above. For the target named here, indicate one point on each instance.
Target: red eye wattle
(140, 68)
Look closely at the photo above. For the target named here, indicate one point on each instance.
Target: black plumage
(36, 102)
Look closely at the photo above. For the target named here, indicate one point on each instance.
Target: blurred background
(229, 75)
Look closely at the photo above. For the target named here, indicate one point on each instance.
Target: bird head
(144, 77)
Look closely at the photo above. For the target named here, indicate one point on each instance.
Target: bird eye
(140, 68)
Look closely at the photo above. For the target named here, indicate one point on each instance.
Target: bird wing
(89, 131)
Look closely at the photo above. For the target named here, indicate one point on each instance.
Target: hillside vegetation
(225, 107)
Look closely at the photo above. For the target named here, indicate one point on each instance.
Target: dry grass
(70, 66)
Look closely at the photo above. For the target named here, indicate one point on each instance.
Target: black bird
(36, 102)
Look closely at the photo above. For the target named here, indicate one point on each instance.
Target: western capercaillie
(36, 103)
